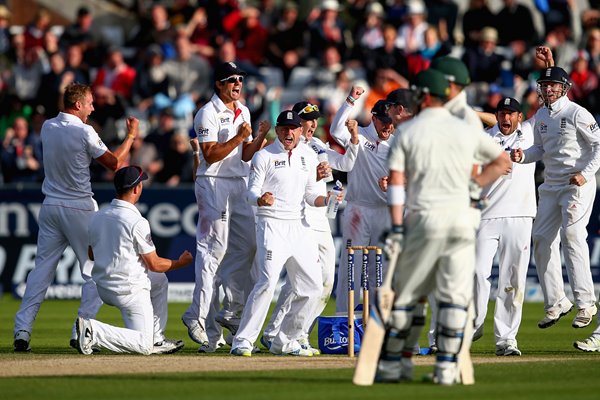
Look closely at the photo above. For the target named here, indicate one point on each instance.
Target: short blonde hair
(75, 92)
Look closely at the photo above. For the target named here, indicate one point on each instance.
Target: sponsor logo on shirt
(224, 120)
(370, 146)
(593, 127)
(202, 131)
(269, 255)
(315, 148)
(303, 162)
(279, 164)
(149, 240)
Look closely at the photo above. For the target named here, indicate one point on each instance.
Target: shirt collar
(559, 104)
(220, 106)
(125, 204)
(69, 117)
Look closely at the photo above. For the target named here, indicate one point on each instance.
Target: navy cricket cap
(128, 177)
(288, 118)
(307, 111)
(379, 110)
(226, 70)
(554, 74)
(508, 103)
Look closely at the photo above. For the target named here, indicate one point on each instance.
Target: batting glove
(394, 242)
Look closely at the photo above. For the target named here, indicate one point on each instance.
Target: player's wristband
(397, 229)
(195, 152)
(350, 99)
(132, 137)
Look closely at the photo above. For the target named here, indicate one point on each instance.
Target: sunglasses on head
(308, 109)
(233, 79)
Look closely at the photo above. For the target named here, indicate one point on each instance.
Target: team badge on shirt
(543, 128)
(370, 146)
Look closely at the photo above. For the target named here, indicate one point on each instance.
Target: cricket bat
(465, 364)
(372, 340)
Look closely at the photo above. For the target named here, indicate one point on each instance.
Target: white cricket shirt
(118, 235)
(69, 146)
(216, 123)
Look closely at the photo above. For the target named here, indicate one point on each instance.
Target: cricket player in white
(567, 140)
(429, 175)
(224, 133)
(69, 146)
(365, 217)
(316, 220)
(505, 229)
(282, 178)
(122, 250)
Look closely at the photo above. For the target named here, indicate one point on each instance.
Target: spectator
(36, 30)
(387, 56)
(150, 81)
(515, 22)
(5, 35)
(286, 42)
(161, 135)
(584, 83)
(27, 74)
(442, 14)
(477, 17)
(411, 36)
(592, 47)
(370, 35)
(177, 162)
(109, 107)
(156, 29)
(18, 161)
(328, 29)
(115, 74)
(189, 80)
(484, 61)
(53, 83)
(80, 34)
(203, 40)
(144, 154)
(250, 37)
(76, 64)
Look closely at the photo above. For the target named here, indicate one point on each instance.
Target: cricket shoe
(167, 346)
(445, 373)
(210, 348)
(73, 344)
(228, 324)
(21, 343)
(265, 341)
(241, 352)
(590, 344)
(552, 317)
(584, 316)
(478, 334)
(389, 371)
(305, 344)
(508, 348)
(299, 353)
(195, 331)
(85, 336)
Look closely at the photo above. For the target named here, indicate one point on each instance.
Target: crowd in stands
(310, 50)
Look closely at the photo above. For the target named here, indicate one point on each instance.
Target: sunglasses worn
(233, 79)
(308, 109)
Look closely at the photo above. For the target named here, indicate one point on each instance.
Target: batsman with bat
(430, 173)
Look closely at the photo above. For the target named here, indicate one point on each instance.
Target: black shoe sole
(21, 346)
(548, 325)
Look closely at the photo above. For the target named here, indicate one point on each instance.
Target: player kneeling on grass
(124, 261)
(429, 176)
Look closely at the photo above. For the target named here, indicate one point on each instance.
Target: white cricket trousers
(282, 307)
(221, 206)
(361, 226)
(511, 239)
(138, 316)
(568, 209)
(59, 227)
(280, 242)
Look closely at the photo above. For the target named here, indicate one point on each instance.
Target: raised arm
(114, 160)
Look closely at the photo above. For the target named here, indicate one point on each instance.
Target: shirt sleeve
(95, 145)
(587, 127)
(343, 162)
(206, 126)
(396, 156)
(535, 152)
(142, 238)
(338, 128)
(487, 149)
(258, 170)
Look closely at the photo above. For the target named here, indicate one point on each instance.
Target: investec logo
(332, 344)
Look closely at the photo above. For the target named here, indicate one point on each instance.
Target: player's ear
(520, 117)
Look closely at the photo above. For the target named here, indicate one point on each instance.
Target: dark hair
(75, 92)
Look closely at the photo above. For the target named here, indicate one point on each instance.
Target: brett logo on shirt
(593, 127)
(370, 146)
(279, 163)
(202, 131)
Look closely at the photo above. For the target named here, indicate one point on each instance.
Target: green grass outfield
(549, 369)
